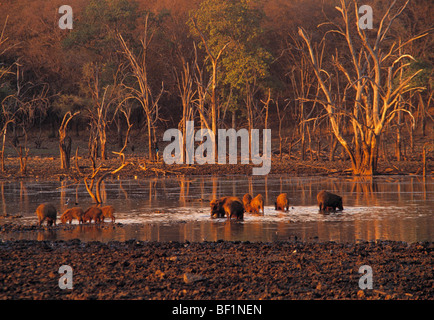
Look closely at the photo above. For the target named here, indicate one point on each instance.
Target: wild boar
(73, 213)
(282, 202)
(246, 199)
(46, 211)
(107, 212)
(229, 206)
(327, 201)
(253, 205)
(92, 213)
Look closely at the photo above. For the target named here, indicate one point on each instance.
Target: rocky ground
(215, 270)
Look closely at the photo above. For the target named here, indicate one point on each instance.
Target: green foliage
(96, 33)
(101, 19)
(5, 90)
(237, 22)
(425, 77)
(68, 102)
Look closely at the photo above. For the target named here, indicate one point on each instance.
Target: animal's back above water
(254, 205)
(282, 202)
(107, 212)
(46, 212)
(229, 206)
(93, 213)
(327, 200)
(72, 213)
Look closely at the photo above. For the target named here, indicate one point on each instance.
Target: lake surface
(177, 209)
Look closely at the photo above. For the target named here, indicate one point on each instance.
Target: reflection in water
(165, 209)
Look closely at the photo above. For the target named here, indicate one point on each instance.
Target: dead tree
(370, 84)
(143, 92)
(202, 89)
(127, 113)
(8, 118)
(89, 180)
(281, 116)
(102, 100)
(303, 83)
(214, 59)
(65, 140)
(184, 81)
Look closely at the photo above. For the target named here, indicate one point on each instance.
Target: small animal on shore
(107, 212)
(282, 202)
(328, 201)
(229, 206)
(73, 213)
(46, 211)
(92, 213)
(253, 205)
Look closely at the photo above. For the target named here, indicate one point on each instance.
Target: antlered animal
(282, 202)
(327, 200)
(73, 213)
(229, 206)
(46, 211)
(92, 213)
(253, 205)
(107, 212)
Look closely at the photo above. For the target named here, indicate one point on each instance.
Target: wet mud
(215, 270)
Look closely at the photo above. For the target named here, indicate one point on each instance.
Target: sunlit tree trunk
(376, 96)
(65, 141)
(142, 92)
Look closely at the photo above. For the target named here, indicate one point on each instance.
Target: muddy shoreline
(47, 168)
(219, 270)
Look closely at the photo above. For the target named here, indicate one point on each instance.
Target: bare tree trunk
(424, 168)
(119, 131)
(23, 160)
(144, 94)
(234, 122)
(281, 117)
(65, 141)
(303, 133)
(398, 151)
(376, 101)
(103, 142)
(4, 131)
(214, 62)
(150, 153)
(333, 146)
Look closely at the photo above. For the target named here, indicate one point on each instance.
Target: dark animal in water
(229, 206)
(329, 201)
(46, 211)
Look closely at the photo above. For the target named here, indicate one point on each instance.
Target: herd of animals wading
(231, 207)
(48, 212)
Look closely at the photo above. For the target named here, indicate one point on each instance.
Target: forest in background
(129, 70)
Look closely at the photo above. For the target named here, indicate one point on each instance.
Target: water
(177, 209)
